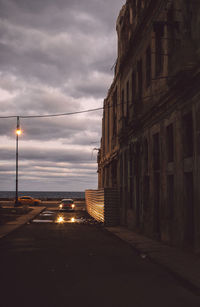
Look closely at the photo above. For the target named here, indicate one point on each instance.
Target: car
(28, 200)
(67, 204)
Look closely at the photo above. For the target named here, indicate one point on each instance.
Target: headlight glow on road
(60, 219)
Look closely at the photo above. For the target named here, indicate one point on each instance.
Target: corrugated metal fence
(103, 205)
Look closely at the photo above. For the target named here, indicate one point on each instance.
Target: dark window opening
(115, 113)
(114, 173)
(133, 87)
(146, 156)
(148, 66)
(126, 168)
(108, 127)
(131, 153)
(146, 191)
(139, 6)
(171, 28)
(159, 32)
(156, 152)
(189, 209)
(103, 132)
(139, 79)
(122, 102)
(170, 195)
(187, 135)
(170, 143)
(157, 203)
(198, 129)
(127, 99)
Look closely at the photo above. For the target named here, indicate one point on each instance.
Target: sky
(56, 56)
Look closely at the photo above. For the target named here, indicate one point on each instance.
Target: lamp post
(18, 132)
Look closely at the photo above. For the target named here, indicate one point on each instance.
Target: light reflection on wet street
(62, 217)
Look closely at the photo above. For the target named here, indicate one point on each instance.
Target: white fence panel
(103, 205)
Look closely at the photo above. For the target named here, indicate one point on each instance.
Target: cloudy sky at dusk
(55, 57)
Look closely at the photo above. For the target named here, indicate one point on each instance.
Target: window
(146, 191)
(139, 6)
(156, 152)
(198, 128)
(171, 29)
(114, 173)
(131, 152)
(108, 126)
(146, 156)
(170, 195)
(139, 79)
(159, 32)
(127, 99)
(148, 66)
(133, 87)
(189, 208)
(170, 143)
(122, 102)
(115, 112)
(187, 135)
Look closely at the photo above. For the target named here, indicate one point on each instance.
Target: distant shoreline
(43, 195)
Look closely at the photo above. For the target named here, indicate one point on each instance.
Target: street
(74, 261)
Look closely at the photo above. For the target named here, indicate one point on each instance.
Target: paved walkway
(21, 220)
(184, 265)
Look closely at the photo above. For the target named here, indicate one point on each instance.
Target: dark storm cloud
(46, 154)
(83, 33)
(55, 57)
(68, 129)
(46, 173)
(59, 14)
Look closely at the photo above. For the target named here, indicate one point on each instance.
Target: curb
(20, 221)
(184, 266)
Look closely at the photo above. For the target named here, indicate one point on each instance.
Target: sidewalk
(21, 220)
(184, 265)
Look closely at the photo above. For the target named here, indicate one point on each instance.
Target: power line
(135, 99)
(52, 115)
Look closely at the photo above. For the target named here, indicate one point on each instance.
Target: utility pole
(18, 132)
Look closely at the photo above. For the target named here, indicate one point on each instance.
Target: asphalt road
(78, 263)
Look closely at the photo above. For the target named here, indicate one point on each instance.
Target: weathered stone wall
(151, 136)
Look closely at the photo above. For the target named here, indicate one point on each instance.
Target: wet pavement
(62, 217)
(68, 259)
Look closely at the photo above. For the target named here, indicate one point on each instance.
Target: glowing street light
(18, 132)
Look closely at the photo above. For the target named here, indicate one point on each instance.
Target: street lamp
(18, 132)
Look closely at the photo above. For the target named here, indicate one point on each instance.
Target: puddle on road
(42, 217)
(51, 217)
(61, 220)
(82, 220)
(41, 221)
(47, 213)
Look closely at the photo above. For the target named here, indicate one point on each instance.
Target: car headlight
(60, 206)
(73, 206)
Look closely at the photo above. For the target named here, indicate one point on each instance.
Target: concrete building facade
(150, 146)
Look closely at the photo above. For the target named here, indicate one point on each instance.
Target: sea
(44, 195)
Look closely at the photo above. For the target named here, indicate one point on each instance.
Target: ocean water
(45, 195)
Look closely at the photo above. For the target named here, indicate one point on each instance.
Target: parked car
(28, 200)
(67, 204)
